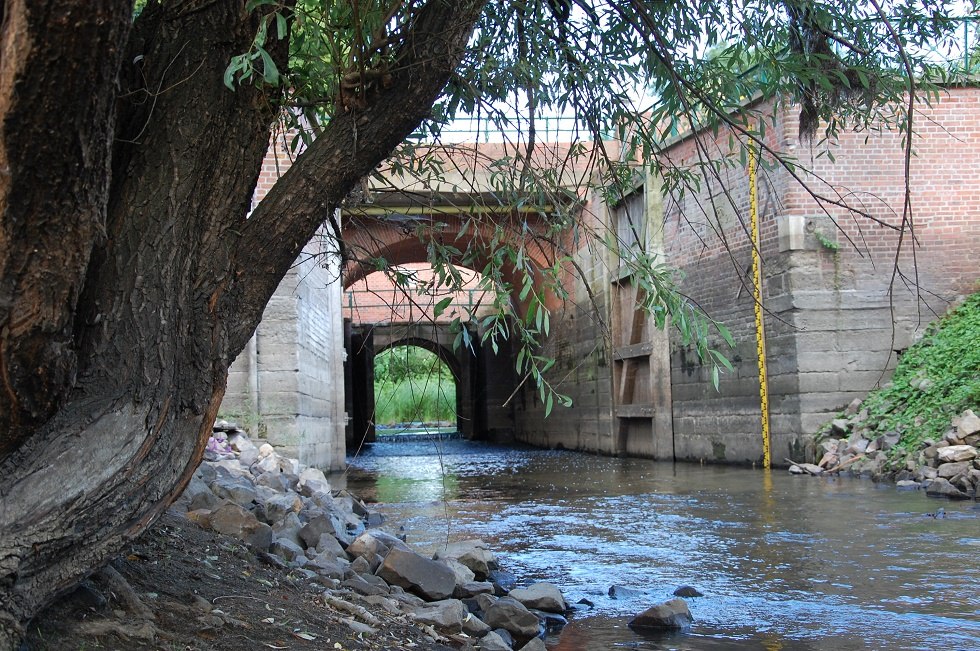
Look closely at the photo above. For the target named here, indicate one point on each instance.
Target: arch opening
(416, 390)
(413, 304)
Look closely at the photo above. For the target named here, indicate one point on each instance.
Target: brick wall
(831, 322)
(378, 299)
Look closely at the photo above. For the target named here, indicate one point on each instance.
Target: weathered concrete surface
(832, 322)
(288, 384)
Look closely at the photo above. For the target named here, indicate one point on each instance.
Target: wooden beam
(635, 411)
(642, 349)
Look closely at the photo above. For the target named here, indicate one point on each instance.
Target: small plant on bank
(834, 247)
(935, 380)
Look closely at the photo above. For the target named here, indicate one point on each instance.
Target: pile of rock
(946, 468)
(290, 517)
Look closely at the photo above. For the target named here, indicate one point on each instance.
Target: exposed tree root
(121, 591)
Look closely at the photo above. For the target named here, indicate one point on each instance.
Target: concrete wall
(288, 384)
(581, 346)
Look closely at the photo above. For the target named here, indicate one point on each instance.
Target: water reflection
(784, 562)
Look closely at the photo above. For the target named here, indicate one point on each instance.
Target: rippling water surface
(784, 562)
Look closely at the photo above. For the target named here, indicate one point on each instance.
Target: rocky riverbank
(949, 467)
(351, 584)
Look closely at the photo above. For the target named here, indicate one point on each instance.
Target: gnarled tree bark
(130, 276)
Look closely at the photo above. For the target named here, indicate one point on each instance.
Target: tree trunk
(124, 296)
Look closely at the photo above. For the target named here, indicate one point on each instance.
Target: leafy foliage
(935, 380)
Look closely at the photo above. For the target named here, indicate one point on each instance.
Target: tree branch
(351, 145)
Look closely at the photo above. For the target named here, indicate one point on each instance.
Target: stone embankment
(949, 467)
(291, 518)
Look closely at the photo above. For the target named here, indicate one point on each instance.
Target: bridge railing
(513, 129)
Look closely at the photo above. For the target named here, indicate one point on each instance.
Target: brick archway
(398, 228)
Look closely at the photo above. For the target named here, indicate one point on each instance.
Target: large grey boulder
(950, 470)
(237, 489)
(670, 615)
(483, 601)
(289, 527)
(366, 564)
(541, 596)
(327, 544)
(474, 626)
(375, 542)
(366, 584)
(447, 615)
(940, 487)
(312, 481)
(273, 479)
(286, 549)
(474, 554)
(537, 644)
(316, 527)
(199, 496)
(953, 453)
(512, 616)
(233, 520)
(472, 589)
(278, 507)
(238, 442)
(425, 577)
(398, 594)
(227, 468)
(463, 573)
(967, 424)
(492, 641)
(328, 565)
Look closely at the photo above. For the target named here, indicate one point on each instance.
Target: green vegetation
(412, 384)
(935, 380)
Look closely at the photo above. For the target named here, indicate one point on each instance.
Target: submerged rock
(541, 596)
(619, 592)
(670, 615)
(687, 591)
(940, 487)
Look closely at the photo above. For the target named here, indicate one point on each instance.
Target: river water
(784, 562)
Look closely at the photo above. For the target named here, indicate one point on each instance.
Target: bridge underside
(482, 377)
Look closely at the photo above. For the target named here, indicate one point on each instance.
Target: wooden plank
(642, 349)
(635, 411)
(632, 338)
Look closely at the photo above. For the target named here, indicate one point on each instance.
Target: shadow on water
(784, 562)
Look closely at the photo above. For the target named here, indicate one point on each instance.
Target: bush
(412, 384)
(934, 381)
